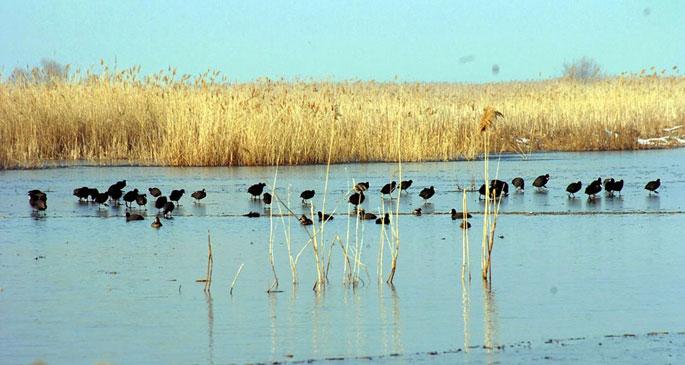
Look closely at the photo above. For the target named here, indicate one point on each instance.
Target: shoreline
(63, 164)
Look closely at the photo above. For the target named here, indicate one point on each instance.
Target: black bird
(120, 184)
(609, 185)
(115, 195)
(541, 181)
(141, 200)
(199, 195)
(597, 182)
(618, 186)
(366, 216)
(384, 220)
(306, 195)
(101, 199)
(499, 187)
(134, 217)
(518, 183)
(653, 185)
(37, 193)
(356, 198)
(82, 193)
(160, 202)
(167, 209)
(252, 215)
(417, 212)
(38, 204)
(404, 185)
(305, 221)
(256, 190)
(130, 197)
(573, 188)
(465, 225)
(155, 192)
(426, 194)
(459, 215)
(267, 198)
(157, 223)
(176, 195)
(481, 192)
(38, 200)
(93, 193)
(362, 186)
(113, 189)
(593, 189)
(387, 189)
(326, 217)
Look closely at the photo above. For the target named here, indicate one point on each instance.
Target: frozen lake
(80, 283)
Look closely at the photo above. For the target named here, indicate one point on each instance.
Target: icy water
(80, 285)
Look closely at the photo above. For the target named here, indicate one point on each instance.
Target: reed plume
(489, 117)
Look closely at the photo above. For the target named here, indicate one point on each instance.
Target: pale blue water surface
(80, 285)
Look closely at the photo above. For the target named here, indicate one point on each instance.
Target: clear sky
(378, 40)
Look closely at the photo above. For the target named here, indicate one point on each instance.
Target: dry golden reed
(181, 121)
(489, 117)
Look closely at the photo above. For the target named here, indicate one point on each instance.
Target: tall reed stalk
(319, 244)
(465, 259)
(395, 225)
(272, 261)
(490, 115)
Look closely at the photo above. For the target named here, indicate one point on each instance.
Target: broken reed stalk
(274, 285)
(210, 264)
(235, 278)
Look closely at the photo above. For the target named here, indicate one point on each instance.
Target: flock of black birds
(115, 193)
(498, 188)
(166, 205)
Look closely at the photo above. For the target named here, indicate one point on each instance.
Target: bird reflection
(210, 327)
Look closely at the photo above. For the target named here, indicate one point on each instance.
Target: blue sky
(369, 40)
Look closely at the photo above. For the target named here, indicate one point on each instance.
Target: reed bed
(170, 120)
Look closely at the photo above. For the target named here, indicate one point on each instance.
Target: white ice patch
(522, 140)
(669, 130)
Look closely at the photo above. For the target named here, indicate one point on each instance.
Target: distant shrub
(49, 71)
(584, 69)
